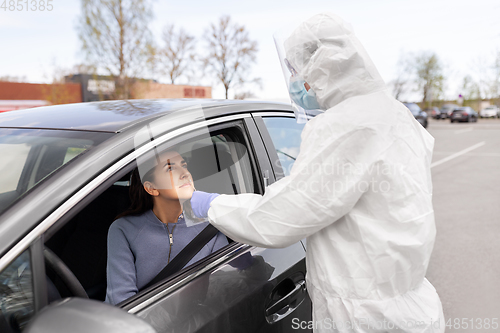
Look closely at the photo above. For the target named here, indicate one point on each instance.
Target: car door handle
(286, 305)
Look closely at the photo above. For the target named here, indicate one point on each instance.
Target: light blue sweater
(138, 248)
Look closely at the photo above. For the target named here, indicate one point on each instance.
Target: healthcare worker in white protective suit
(360, 191)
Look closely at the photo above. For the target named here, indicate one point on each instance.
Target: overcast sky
(460, 32)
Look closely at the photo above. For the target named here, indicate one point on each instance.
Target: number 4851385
(472, 323)
(27, 5)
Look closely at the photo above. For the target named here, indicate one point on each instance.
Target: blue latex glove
(200, 202)
(299, 94)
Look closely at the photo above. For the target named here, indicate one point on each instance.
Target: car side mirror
(78, 315)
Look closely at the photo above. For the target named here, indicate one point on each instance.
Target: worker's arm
(327, 180)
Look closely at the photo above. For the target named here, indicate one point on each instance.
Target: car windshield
(31, 155)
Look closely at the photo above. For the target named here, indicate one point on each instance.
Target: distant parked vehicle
(417, 112)
(465, 113)
(491, 111)
(447, 109)
(434, 112)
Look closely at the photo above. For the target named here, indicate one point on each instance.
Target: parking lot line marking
(464, 130)
(471, 154)
(460, 153)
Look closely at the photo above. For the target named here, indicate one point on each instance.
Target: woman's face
(171, 178)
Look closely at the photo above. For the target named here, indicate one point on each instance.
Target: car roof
(116, 116)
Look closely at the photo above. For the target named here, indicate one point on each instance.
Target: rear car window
(31, 155)
(414, 108)
(286, 135)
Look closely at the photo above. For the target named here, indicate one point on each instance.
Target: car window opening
(223, 166)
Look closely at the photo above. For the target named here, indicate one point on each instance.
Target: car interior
(221, 166)
(39, 158)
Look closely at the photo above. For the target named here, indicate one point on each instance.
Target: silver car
(489, 112)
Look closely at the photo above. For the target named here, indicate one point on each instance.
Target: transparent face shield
(323, 54)
(294, 52)
(177, 155)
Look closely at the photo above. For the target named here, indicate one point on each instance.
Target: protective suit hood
(329, 57)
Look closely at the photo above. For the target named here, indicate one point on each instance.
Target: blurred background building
(88, 88)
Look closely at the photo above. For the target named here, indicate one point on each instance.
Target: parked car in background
(465, 113)
(434, 112)
(65, 177)
(491, 111)
(417, 112)
(447, 109)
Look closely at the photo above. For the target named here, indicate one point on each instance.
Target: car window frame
(246, 127)
(38, 284)
(268, 142)
(157, 292)
(269, 145)
(38, 273)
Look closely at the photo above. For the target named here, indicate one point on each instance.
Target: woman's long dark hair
(141, 201)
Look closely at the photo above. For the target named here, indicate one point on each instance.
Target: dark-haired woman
(145, 238)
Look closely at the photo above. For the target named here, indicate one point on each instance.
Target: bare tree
(400, 85)
(495, 82)
(429, 75)
(84, 69)
(470, 89)
(244, 95)
(481, 74)
(116, 39)
(230, 54)
(177, 57)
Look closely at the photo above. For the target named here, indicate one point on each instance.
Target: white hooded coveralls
(360, 191)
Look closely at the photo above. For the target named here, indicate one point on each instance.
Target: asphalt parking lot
(465, 265)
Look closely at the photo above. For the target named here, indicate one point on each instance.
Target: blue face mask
(305, 99)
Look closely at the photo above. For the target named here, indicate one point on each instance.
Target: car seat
(211, 167)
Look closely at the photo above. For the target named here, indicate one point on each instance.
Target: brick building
(17, 95)
(97, 87)
(88, 88)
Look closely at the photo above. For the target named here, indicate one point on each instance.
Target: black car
(420, 115)
(462, 114)
(447, 109)
(65, 177)
(434, 113)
